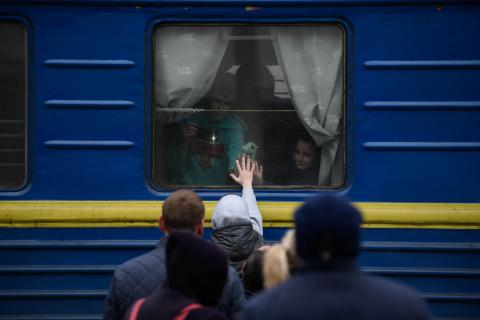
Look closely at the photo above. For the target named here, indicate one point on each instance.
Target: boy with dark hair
(306, 162)
(183, 210)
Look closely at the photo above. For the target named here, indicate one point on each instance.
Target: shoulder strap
(182, 315)
(136, 308)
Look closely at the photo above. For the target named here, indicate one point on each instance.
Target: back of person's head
(230, 210)
(280, 261)
(252, 273)
(195, 268)
(327, 229)
(306, 137)
(183, 210)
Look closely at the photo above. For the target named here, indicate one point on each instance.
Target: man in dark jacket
(188, 292)
(139, 277)
(329, 284)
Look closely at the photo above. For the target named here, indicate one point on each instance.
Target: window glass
(12, 104)
(275, 93)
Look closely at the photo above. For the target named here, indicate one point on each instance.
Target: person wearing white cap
(236, 221)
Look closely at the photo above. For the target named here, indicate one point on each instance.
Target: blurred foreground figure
(196, 274)
(329, 284)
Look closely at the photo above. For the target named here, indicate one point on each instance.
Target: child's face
(220, 105)
(304, 156)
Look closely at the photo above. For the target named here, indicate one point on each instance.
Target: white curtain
(187, 60)
(311, 59)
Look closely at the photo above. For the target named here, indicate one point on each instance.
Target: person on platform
(329, 284)
(207, 143)
(306, 162)
(140, 276)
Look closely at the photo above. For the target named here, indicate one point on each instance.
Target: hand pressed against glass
(246, 169)
(305, 155)
(258, 173)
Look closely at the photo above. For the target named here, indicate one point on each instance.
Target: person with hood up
(188, 293)
(236, 221)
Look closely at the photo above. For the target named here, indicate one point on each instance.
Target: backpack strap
(182, 315)
(136, 308)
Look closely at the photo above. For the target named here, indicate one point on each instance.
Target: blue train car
(95, 94)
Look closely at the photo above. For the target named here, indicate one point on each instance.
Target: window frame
(23, 23)
(270, 192)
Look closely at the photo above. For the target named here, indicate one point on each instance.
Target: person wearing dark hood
(329, 284)
(188, 293)
(236, 221)
(252, 272)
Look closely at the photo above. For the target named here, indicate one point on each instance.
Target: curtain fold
(312, 63)
(187, 60)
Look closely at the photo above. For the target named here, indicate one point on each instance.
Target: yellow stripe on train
(82, 214)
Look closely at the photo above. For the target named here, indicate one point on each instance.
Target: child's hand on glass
(245, 168)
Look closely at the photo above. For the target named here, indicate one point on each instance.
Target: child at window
(306, 162)
(207, 143)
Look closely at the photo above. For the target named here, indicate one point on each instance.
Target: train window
(12, 104)
(275, 93)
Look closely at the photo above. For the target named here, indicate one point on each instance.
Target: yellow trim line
(82, 214)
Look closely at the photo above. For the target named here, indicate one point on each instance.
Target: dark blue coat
(342, 293)
(165, 303)
(139, 277)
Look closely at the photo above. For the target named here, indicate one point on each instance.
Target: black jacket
(238, 241)
(139, 277)
(339, 293)
(165, 303)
